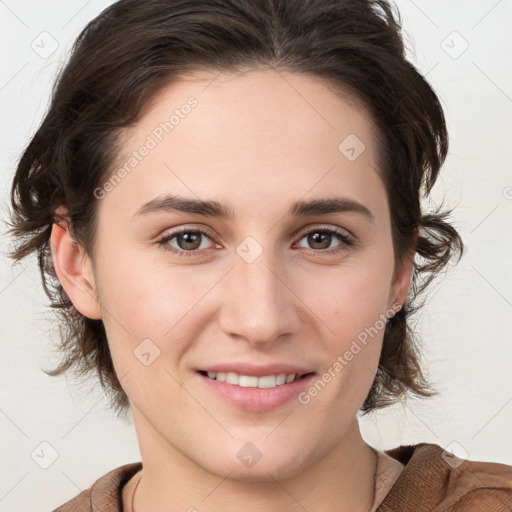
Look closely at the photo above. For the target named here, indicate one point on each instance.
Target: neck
(341, 479)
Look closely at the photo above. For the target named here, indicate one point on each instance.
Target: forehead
(259, 98)
(252, 132)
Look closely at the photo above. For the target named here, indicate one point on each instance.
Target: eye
(321, 238)
(188, 241)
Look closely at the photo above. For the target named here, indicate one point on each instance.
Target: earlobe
(74, 270)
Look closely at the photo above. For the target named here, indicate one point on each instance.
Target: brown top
(429, 482)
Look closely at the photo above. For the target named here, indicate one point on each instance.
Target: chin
(252, 465)
(263, 472)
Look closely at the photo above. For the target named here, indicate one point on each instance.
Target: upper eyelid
(324, 228)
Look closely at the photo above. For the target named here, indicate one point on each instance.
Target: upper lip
(243, 368)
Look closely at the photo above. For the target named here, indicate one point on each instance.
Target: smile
(255, 393)
(251, 381)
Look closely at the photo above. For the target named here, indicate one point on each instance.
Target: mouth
(252, 381)
(255, 393)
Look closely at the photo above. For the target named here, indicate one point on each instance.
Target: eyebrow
(215, 209)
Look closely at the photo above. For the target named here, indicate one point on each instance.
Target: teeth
(250, 381)
(247, 382)
(281, 378)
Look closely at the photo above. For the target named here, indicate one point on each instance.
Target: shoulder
(105, 494)
(475, 485)
(435, 480)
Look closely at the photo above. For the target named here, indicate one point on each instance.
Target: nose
(258, 304)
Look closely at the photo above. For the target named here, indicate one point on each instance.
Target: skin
(256, 142)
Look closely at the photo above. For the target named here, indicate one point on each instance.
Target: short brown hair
(133, 49)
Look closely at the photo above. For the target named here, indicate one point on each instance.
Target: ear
(74, 267)
(402, 276)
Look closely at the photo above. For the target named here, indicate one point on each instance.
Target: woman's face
(270, 289)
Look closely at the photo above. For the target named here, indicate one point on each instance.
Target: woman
(226, 201)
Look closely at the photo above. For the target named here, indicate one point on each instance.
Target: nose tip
(257, 305)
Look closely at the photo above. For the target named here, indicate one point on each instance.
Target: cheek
(352, 303)
(351, 298)
(145, 299)
(143, 294)
(148, 326)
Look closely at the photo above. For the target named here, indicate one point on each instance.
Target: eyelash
(346, 239)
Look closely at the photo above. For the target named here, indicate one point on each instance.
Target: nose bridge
(258, 305)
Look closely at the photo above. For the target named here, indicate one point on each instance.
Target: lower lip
(257, 399)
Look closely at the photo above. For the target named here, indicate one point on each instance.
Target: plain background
(464, 48)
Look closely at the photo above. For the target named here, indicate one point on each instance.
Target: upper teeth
(250, 381)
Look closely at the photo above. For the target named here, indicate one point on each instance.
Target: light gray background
(465, 327)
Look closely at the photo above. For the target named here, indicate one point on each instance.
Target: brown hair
(133, 49)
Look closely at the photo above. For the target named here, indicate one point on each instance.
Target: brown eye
(188, 242)
(320, 240)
